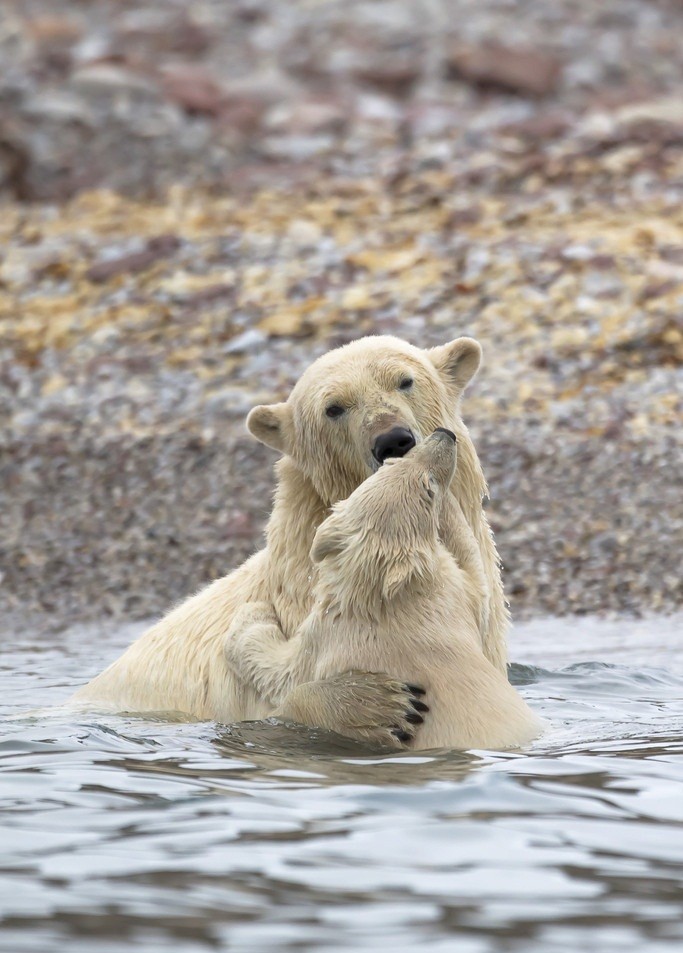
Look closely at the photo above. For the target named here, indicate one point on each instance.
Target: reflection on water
(119, 833)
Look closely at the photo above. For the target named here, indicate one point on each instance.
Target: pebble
(249, 340)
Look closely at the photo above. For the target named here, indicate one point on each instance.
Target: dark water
(120, 833)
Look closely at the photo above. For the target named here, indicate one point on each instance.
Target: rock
(240, 524)
(296, 148)
(53, 32)
(284, 322)
(21, 265)
(267, 98)
(163, 245)
(657, 289)
(540, 126)
(603, 262)
(207, 296)
(601, 283)
(578, 253)
(194, 89)
(160, 247)
(241, 115)
(526, 72)
(249, 340)
(373, 108)
(465, 215)
(432, 118)
(307, 118)
(103, 76)
(228, 402)
(672, 253)
(389, 75)
(59, 106)
(156, 30)
(668, 110)
(15, 164)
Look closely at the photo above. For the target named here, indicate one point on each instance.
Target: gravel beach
(197, 204)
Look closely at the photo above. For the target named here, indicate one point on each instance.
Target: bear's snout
(394, 443)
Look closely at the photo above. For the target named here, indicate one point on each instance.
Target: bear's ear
(458, 361)
(328, 540)
(397, 575)
(270, 424)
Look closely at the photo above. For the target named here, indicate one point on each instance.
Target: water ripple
(119, 832)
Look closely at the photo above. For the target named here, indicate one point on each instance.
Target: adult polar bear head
(369, 400)
(353, 408)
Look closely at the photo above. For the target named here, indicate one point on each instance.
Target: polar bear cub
(390, 597)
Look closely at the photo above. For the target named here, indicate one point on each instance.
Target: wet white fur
(391, 598)
(179, 664)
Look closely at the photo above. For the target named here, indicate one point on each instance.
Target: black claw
(402, 735)
(414, 718)
(415, 690)
(418, 705)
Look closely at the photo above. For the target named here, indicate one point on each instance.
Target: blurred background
(198, 199)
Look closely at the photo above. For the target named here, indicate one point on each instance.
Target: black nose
(449, 433)
(394, 443)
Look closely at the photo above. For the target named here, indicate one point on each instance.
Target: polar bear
(353, 408)
(389, 597)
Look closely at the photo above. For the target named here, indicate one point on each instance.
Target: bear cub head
(385, 536)
(364, 403)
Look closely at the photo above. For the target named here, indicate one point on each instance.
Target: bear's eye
(406, 383)
(334, 410)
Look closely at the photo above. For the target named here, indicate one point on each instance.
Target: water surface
(120, 833)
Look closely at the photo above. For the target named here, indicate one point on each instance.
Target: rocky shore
(197, 205)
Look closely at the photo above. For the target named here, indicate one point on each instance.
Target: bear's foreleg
(370, 707)
(259, 654)
(366, 706)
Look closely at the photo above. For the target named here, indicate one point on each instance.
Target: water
(120, 833)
